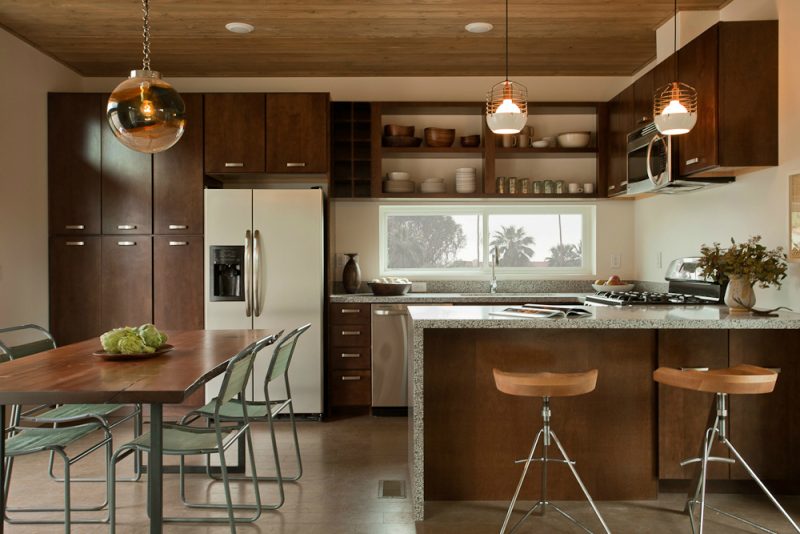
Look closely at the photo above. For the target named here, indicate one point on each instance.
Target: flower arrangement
(749, 260)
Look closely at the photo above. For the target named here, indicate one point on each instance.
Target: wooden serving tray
(119, 357)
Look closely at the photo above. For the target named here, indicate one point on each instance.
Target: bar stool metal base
(719, 431)
(547, 436)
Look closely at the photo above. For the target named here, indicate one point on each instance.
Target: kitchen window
(458, 241)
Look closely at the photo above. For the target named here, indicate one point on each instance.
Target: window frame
(588, 212)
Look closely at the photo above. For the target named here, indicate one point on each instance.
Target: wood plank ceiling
(346, 37)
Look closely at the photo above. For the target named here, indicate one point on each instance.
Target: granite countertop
(641, 317)
(446, 298)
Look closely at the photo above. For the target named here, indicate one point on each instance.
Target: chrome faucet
(493, 283)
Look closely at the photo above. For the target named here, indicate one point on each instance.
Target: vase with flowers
(742, 266)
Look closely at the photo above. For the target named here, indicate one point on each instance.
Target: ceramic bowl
(613, 289)
(388, 290)
(399, 175)
(574, 139)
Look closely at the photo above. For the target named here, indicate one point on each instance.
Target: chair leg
(67, 511)
(519, 484)
(224, 469)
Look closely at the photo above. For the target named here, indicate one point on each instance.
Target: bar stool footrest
(721, 459)
(548, 460)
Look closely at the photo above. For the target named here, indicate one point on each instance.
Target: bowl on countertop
(574, 139)
(439, 137)
(613, 289)
(394, 130)
(388, 290)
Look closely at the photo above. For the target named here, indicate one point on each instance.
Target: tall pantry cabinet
(124, 225)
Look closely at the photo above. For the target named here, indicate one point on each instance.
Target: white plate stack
(399, 182)
(465, 180)
(433, 185)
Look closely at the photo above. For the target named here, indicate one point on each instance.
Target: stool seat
(545, 384)
(740, 379)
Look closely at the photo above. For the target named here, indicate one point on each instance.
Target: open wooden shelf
(549, 152)
(431, 151)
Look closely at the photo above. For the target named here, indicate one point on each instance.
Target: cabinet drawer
(350, 358)
(350, 314)
(353, 335)
(351, 388)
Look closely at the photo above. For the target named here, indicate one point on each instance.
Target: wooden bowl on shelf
(401, 141)
(471, 140)
(439, 137)
(394, 129)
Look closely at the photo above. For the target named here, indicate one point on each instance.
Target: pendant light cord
(146, 34)
(507, 39)
(675, 38)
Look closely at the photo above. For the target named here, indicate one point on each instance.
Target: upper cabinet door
(234, 132)
(74, 125)
(643, 99)
(127, 187)
(126, 281)
(178, 177)
(620, 123)
(297, 132)
(699, 67)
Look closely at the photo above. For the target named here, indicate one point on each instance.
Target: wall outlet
(419, 287)
(616, 261)
(660, 260)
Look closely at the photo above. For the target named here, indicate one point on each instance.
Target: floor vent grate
(392, 489)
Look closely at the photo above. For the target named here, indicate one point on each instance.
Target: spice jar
(523, 186)
(512, 185)
(537, 187)
(500, 186)
(549, 187)
(560, 187)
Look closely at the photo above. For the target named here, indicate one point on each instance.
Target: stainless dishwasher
(391, 331)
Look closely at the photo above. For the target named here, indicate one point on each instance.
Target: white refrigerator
(264, 254)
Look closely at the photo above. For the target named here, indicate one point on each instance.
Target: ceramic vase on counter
(739, 296)
(351, 275)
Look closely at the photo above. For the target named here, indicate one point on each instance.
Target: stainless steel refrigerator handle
(247, 274)
(390, 312)
(257, 273)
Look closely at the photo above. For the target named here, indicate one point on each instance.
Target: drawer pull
(126, 243)
(625, 182)
(295, 164)
(700, 369)
(178, 227)
(350, 310)
(178, 243)
(74, 243)
(351, 332)
(126, 227)
(350, 378)
(692, 161)
(350, 355)
(612, 187)
(74, 227)
(229, 165)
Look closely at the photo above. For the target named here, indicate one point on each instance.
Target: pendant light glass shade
(146, 113)
(675, 109)
(507, 108)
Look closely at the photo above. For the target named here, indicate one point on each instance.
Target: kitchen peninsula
(624, 436)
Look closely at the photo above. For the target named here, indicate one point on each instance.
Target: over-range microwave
(652, 167)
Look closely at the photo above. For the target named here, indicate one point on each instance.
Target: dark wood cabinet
(234, 125)
(178, 282)
(643, 99)
(74, 288)
(734, 67)
(126, 282)
(349, 356)
(664, 73)
(297, 132)
(620, 124)
(73, 145)
(178, 177)
(127, 188)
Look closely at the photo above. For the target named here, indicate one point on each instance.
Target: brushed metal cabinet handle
(350, 310)
(126, 243)
(350, 378)
(624, 183)
(74, 227)
(701, 369)
(126, 227)
(178, 227)
(351, 332)
(229, 165)
(692, 161)
(74, 243)
(248, 267)
(299, 164)
(644, 118)
(350, 355)
(178, 243)
(612, 187)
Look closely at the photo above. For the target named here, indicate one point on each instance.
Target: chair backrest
(238, 371)
(10, 351)
(282, 355)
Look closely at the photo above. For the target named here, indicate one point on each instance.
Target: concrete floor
(338, 494)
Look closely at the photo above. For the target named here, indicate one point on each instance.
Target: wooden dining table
(72, 374)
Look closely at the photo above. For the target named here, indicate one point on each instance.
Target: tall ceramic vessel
(351, 275)
(739, 295)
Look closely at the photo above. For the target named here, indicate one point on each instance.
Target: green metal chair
(262, 411)
(183, 440)
(31, 440)
(65, 413)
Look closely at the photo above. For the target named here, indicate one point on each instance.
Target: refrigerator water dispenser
(227, 273)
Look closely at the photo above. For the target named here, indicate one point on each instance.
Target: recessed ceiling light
(239, 27)
(478, 27)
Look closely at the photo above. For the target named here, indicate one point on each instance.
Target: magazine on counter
(545, 311)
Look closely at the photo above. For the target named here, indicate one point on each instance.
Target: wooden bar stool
(738, 380)
(546, 385)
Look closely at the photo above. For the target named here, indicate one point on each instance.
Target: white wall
(757, 204)
(28, 75)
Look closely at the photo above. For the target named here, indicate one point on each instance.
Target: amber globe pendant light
(507, 102)
(675, 104)
(145, 112)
